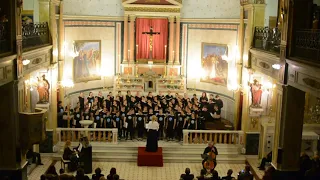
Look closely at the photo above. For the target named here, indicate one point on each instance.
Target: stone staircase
(172, 152)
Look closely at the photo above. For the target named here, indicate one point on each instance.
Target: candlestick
(137, 47)
(165, 51)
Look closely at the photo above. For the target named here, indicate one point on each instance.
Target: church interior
(243, 75)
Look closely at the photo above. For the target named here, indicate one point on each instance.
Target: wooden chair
(64, 162)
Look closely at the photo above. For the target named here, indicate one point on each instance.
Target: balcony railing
(4, 37)
(35, 35)
(267, 39)
(244, 2)
(307, 45)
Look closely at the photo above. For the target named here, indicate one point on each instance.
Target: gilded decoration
(148, 9)
(312, 83)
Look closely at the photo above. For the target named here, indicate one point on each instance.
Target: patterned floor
(39, 170)
(130, 171)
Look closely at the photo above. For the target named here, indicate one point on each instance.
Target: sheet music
(125, 125)
(147, 126)
(80, 147)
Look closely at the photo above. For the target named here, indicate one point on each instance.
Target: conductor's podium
(150, 158)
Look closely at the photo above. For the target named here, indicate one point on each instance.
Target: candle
(137, 47)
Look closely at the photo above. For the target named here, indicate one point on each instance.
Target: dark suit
(96, 177)
(227, 178)
(245, 176)
(187, 176)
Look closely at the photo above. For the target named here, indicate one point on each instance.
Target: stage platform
(150, 158)
(173, 152)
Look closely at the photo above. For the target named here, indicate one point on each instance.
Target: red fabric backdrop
(159, 41)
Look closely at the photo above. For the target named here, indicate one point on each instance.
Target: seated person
(215, 175)
(52, 170)
(202, 174)
(68, 154)
(314, 172)
(264, 160)
(97, 174)
(80, 175)
(228, 177)
(187, 175)
(36, 158)
(113, 171)
(210, 148)
(116, 177)
(64, 176)
(245, 174)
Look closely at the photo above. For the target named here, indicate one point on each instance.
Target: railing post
(115, 136)
(59, 134)
(185, 136)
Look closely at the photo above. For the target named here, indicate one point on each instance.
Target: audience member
(245, 174)
(203, 173)
(113, 171)
(228, 177)
(116, 177)
(264, 160)
(52, 170)
(269, 173)
(215, 175)
(102, 178)
(43, 177)
(80, 175)
(97, 174)
(187, 175)
(305, 164)
(36, 158)
(314, 172)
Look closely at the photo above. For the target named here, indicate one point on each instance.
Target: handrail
(93, 134)
(307, 44)
(217, 136)
(267, 39)
(35, 34)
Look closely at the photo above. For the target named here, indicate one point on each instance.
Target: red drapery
(159, 41)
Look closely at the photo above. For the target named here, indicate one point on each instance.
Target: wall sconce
(276, 66)
(25, 62)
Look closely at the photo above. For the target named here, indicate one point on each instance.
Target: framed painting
(87, 63)
(27, 16)
(214, 66)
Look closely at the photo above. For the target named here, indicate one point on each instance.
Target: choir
(130, 114)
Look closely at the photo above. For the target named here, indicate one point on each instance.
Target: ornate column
(177, 51)
(125, 39)
(61, 53)
(132, 41)
(171, 38)
(53, 30)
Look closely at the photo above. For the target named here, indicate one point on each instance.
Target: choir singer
(152, 140)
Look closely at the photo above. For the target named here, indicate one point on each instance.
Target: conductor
(152, 140)
(209, 156)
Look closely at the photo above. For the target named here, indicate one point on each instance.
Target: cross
(151, 33)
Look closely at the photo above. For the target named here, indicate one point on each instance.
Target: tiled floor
(39, 170)
(130, 171)
(255, 162)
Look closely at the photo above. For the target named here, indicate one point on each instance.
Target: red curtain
(159, 41)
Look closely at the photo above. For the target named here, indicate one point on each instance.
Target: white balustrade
(216, 136)
(109, 135)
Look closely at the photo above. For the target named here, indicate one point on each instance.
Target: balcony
(35, 35)
(307, 45)
(267, 39)
(4, 37)
(244, 2)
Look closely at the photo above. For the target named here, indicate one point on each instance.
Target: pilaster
(61, 52)
(125, 39)
(171, 40)
(53, 31)
(290, 134)
(132, 41)
(177, 49)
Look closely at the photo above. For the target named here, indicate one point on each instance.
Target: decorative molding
(77, 23)
(152, 9)
(264, 65)
(312, 83)
(213, 26)
(36, 61)
(198, 21)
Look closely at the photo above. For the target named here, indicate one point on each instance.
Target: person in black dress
(161, 119)
(203, 99)
(152, 140)
(118, 123)
(170, 125)
(77, 118)
(81, 101)
(141, 120)
(90, 99)
(150, 115)
(100, 99)
(60, 114)
(129, 121)
(180, 120)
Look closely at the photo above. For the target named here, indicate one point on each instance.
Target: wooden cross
(151, 33)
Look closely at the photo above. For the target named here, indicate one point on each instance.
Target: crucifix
(151, 33)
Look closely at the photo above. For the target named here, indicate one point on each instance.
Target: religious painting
(27, 16)
(214, 66)
(86, 65)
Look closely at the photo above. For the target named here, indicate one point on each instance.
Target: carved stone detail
(36, 61)
(264, 65)
(312, 83)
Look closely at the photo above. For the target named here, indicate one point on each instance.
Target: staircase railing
(216, 136)
(109, 135)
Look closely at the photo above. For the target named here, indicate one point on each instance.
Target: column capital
(171, 18)
(126, 17)
(177, 18)
(133, 17)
